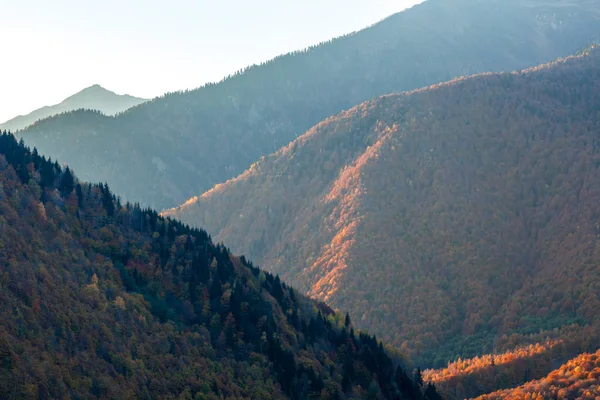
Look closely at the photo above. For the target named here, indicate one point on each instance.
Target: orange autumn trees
(442, 219)
(577, 379)
(510, 367)
(106, 300)
(470, 377)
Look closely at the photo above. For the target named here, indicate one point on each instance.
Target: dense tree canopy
(469, 378)
(102, 299)
(577, 379)
(441, 219)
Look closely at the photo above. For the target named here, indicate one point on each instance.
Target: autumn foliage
(106, 300)
(577, 379)
(469, 378)
(442, 219)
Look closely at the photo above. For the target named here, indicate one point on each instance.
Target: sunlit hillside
(440, 218)
(577, 379)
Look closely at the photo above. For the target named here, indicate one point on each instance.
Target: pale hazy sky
(50, 49)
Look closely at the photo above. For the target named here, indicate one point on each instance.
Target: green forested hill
(104, 300)
(172, 148)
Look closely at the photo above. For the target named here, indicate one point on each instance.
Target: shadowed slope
(104, 300)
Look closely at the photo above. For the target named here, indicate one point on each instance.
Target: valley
(408, 211)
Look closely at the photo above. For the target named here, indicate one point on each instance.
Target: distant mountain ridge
(94, 97)
(182, 144)
(441, 218)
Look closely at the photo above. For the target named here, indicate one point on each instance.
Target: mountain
(440, 218)
(510, 367)
(104, 300)
(577, 379)
(174, 147)
(92, 98)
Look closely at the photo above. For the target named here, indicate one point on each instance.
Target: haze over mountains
(456, 217)
(92, 98)
(167, 150)
(442, 218)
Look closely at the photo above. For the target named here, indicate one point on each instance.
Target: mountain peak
(230, 125)
(95, 87)
(94, 97)
(94, 90)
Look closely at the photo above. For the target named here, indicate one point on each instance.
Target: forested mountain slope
(104, 300)
(512, 365)
(440, 218)
(577, 379)
(172, 148)
(92, 98)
